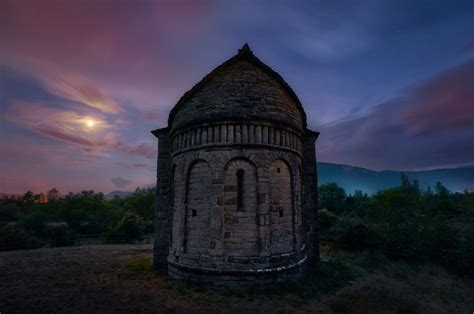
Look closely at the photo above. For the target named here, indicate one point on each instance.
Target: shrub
(326, 220)
(34, 223)
(353, 232)
(332, 197)
(62, 235)
(131, 226)
(14, 238)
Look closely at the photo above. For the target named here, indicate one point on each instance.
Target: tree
(142, 202)
(52, 194)
(441, 190)
(404, 182)
(131, 226)
(27, 201)
(332, 197)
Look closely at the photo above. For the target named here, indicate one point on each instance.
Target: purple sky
(389, 84)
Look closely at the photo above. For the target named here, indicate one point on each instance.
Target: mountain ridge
(353, 178)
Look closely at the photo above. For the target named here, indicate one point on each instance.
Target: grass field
(119, 278)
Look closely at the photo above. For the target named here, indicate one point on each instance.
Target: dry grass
(119, 278)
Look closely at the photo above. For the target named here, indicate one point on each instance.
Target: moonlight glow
(90, 123)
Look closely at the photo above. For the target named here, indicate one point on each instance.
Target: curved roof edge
(244, 53)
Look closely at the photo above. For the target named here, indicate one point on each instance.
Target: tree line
(404, 222)
(25, 220)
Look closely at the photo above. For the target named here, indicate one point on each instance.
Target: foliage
(404, 222)
(327, 219)
(62, 218)
(62, 235)
(332, 197)
(131, 226)
(326, 277)
(142, 203)
(14, 238)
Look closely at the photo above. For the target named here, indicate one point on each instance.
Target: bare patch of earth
(118, 278)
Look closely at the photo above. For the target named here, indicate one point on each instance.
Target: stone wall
(242, 239)
(310, 194)
(163, 200)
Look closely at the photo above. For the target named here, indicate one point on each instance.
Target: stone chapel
(236, 180)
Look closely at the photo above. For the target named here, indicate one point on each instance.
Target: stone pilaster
(310, 194)
(163, 200)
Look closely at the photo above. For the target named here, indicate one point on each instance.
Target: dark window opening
(281, 213)
(194, 213)
(278, 170)
(240, 189)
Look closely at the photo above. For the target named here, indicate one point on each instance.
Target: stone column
(163, 200)
(310, 194)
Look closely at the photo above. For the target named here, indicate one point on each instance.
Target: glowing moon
(90, 123)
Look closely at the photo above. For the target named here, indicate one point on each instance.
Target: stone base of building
(238, 279)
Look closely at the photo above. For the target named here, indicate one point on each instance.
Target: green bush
(34, 223)
(353, 232)
(131, 226)
(326, 220)
(62, 235)
(332, 197)
(14, 238)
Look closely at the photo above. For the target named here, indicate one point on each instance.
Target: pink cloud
(137, 166)
(80, 90)
(71, 127)
(117, 45)
(447, 101)
(431, 127)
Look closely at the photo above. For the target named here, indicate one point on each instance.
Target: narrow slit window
(240, 189)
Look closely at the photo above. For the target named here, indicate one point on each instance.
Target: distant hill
(117, 193)
(369, 181)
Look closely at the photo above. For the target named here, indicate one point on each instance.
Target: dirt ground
(118, 278)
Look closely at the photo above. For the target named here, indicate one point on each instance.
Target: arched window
(281, 208)
(197, 208)
(240, 229)
(240, 189)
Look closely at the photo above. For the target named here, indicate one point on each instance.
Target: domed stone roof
(242, 88)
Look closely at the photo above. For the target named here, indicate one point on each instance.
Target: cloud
(137, 166)
(431, 126)
(81, 90)
(64, 125)
(71, 127)
(88, 50)
(143, 149)
(447, 101)
(121, 182)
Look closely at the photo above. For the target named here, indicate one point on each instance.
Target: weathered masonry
(236, 181)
